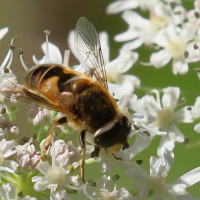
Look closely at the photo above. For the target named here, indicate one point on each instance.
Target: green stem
(11, 112)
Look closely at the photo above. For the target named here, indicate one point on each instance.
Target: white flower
(176, 46)
(9, 129)
(144, 134)
(103, 191)
(193, 22)
(121, 5)
(141, 30)
(6, 150)
(26, 155)
(52, 55)
(7, 192)
(38, 116)
(144, 31)
(66, 153)
(164, 116)
(8, 80)
(153, 185)
(116, 68)
(54, 178)
(62, 194)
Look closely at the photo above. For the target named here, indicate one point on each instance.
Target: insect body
(85, 101)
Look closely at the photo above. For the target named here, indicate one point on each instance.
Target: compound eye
(114, 133)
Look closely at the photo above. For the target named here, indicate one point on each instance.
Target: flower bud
(39, 116)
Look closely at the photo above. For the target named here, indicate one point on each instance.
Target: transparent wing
(88, 50)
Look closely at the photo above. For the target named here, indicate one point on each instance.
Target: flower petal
(54, 54)
(179, 67)
(165, 143)
(137, 173)
(7, 191)
(170, 97)
(70, 40)
(119, 6)
(197, 128)
(186, 180)
(160, 58)
(130, 34)
(3, 32)
(133, 44)
(183, 115)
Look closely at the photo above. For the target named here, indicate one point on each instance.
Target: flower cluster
(170, 30)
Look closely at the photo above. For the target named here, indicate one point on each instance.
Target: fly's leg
(83, 147)
(116, 157)
(48, 140)
(96, 151)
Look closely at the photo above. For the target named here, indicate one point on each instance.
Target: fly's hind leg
(83, 147)
(48, 140)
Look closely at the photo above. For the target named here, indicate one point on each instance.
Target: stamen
(74, 187)
(156, 92)
(66, 58)
(115, 177)
(187, 139)
(186, 54)
(198, 72)
(139, 162)
(196, 46)
(182, 101)
(85, 192)
(10, 60)
(172, 16)
(196, 8)
(124, 101)
(9, 56)
(47, 32)
(21, 59)
(196, 14)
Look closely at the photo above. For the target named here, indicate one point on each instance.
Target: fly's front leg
(48, 140)
(96, 151)
(83, 147)
(116, 157)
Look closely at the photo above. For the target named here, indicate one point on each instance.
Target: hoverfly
(82, 98)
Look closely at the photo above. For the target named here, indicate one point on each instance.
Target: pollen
(104, 194)
(164, 117)
(176, 47)
(158, 22)
(56, 175)
(112, 75)
(156, 184)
